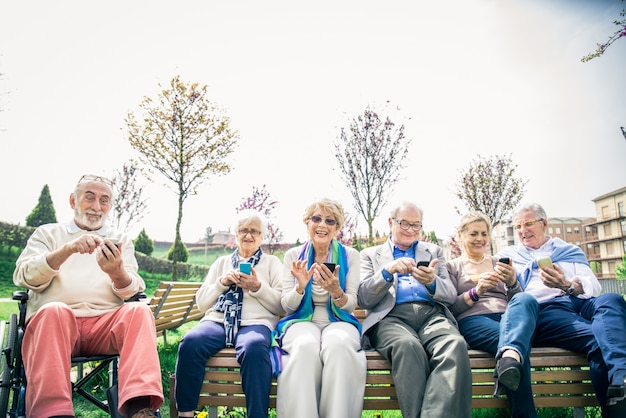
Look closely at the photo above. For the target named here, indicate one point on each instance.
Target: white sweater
(259, 308)
(79, 282)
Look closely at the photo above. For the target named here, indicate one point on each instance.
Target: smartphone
(331, 266)
(112, 241)
(245, 268)
(423, 263)
(505, 260)
(545, 262)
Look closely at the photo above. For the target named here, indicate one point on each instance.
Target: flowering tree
(186, 138)
(262, 202)
(346, 233)
(371, 154)
(488, 185)
(619, 33)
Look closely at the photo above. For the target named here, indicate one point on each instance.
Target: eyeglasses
(328, 221)
(252, 232)
(91, 177)
(526, 224)
(406, 225)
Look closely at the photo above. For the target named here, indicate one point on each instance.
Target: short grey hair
(533, 207)
(405, 204)
(246, 216)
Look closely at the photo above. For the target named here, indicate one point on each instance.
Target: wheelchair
(13, 379)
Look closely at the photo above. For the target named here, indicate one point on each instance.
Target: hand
(302, 275)
(85, 244)
(554, 277)
(425, 275)
(505, 273)
(232, 277)
(249, 282)
(326, 279)
(486, 281)
(109, 258)
(402, 265)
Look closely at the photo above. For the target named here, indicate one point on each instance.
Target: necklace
(475, 262)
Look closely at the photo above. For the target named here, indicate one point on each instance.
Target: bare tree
(489, 185)
(184, 137)
(130, 207)
(370, 154)
(261, 201)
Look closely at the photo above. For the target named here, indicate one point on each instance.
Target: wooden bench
(173, 304)
(560, 379)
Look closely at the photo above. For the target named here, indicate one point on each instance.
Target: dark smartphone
(505, 260)
(423, 264)
(331, 266)
(245, 268)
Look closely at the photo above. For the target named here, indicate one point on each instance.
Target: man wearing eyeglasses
(78, 279)
(409, 323)
(572, 312)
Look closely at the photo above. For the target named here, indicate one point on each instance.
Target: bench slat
(560, 379)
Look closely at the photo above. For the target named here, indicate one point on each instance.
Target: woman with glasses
(242, 307)
(493, 313)
(317, 352)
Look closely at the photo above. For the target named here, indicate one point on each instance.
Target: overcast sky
(470, 77)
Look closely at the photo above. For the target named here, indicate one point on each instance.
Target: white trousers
(324, 373)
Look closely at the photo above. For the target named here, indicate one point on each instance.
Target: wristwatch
(571, 289)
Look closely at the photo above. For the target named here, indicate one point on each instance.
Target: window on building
(610, 249)
(611, 266)
(620, 208)
(605, 212)
(558, 230)
(569, 230)
(607, 230)
(624, 245)
(587, 229)
(576, 230)
(550, 230)
(623, 226)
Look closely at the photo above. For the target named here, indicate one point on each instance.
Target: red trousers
(54, 335)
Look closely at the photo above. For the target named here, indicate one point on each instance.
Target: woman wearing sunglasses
(317, 352)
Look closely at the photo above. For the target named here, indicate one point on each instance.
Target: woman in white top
(241, 310)
(317, 351)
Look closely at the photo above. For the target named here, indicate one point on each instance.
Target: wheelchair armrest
(20, 295)
(137, 297)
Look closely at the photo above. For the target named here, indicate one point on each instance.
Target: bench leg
(212, 411)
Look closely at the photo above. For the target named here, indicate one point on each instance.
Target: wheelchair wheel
(9, 347)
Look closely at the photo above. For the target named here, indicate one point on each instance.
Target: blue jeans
(592, 326)
(494, 333)
(252, 344)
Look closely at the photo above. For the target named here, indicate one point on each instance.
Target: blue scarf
(304, 312)
(525, 261)
(231, 301)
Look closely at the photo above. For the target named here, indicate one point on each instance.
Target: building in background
(605, 240)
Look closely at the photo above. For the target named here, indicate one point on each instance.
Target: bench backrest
(173, 304)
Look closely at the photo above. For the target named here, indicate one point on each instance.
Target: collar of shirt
(72, 228)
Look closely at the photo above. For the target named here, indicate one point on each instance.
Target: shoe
(508, 372)
(144, 413)
(616, 392)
